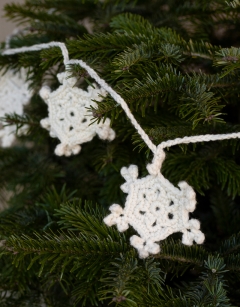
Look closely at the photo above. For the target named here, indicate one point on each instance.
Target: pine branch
(23, 14)
(172, 251)
(199, 163)
(231, 245)
(234, 3)
(66, 251)
(86, 219)
(226, 213)
(233, 262)
(228, 57)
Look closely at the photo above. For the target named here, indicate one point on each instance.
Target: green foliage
(230, 58)
(176, 64)
(234, 3)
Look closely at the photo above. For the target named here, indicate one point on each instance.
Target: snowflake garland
(69, 119)
(155, 209)
(14, 94)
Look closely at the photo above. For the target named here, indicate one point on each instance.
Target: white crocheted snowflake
(69, 119)
(155, 209)
(14, 94)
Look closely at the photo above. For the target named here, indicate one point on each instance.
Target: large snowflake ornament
(69, 119)
(155, 209)
(14, 94)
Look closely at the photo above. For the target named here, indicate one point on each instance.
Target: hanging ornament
(154, 207)
(14, 94)
(69, 119)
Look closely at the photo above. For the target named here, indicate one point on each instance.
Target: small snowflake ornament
(69, 118)
(14, 94)
(155, 209)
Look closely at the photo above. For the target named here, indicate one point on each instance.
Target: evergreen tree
(176, 64)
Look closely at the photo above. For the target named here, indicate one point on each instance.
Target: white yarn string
(199, 138)
(39, 47)
(155, 149)
(160, 155)
(119, 100)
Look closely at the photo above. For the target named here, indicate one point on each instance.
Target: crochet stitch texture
(69, 120)
(14, 94)
(155, 209)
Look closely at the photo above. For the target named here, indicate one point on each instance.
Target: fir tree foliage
(176, 64)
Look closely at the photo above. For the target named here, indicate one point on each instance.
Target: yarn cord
(39, 47)
(155, 149)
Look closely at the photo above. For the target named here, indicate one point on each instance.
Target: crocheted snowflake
(69, 120)
(14, 94)
(155, 209)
